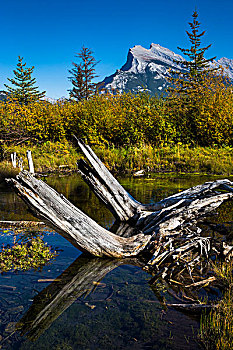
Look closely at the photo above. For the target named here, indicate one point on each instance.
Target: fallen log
(122, 205)
(72, 223)
(175, 215)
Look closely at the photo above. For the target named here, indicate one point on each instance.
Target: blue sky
(48, 33)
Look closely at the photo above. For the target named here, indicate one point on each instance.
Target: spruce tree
(189, 86)
(82, 75)
(78, 92)
(24, 89)
(197, 66)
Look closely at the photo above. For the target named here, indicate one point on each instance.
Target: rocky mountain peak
(148, 70)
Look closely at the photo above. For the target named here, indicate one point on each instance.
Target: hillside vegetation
(189, 129)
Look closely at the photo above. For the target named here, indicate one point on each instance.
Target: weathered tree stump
(163, 238)
(72, 223)
(150, 225)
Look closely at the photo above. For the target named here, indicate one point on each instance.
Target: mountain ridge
(148, 70)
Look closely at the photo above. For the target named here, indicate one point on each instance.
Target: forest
(130, 123)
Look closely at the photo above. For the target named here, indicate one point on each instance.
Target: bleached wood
(106, 187)
(30, 162)
(122, 204)
(72, 223)
(14, 159)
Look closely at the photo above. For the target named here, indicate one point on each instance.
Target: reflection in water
(79, 280)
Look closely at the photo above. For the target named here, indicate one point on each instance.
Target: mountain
(3, 95)
(53, 100)
(49, 99)
(227, 64)
(147, 70)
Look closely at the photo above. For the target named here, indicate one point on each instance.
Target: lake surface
(93, 303)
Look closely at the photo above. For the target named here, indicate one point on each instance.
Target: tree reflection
(78, 280)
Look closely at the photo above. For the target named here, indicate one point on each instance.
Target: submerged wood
(78, 281)
(178, 214)
(194, 308)
(21, 224)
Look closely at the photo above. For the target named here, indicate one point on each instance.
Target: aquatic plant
(32, 254)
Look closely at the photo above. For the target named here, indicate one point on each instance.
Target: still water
(93, 303)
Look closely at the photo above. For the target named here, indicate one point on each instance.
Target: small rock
(139, 173)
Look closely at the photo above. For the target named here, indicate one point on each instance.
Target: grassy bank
(47, 157)
(57, 156)
(177, 158)
(217, 327)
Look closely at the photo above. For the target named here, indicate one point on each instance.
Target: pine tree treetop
(82, 75)
(24, 89)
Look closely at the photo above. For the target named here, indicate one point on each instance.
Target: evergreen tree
(25, 90)
(82, 75)
(78, 92)
(197, 66)
(189, 87)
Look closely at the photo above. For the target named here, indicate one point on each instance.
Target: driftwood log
(148, 228)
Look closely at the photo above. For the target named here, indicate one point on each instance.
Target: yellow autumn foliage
(203, 117)
(120, 120)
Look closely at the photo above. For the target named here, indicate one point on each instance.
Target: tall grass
(169, 158)
(47, 157)
(216, 331)
(55, 156)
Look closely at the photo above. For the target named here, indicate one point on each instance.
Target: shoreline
(61, 158)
